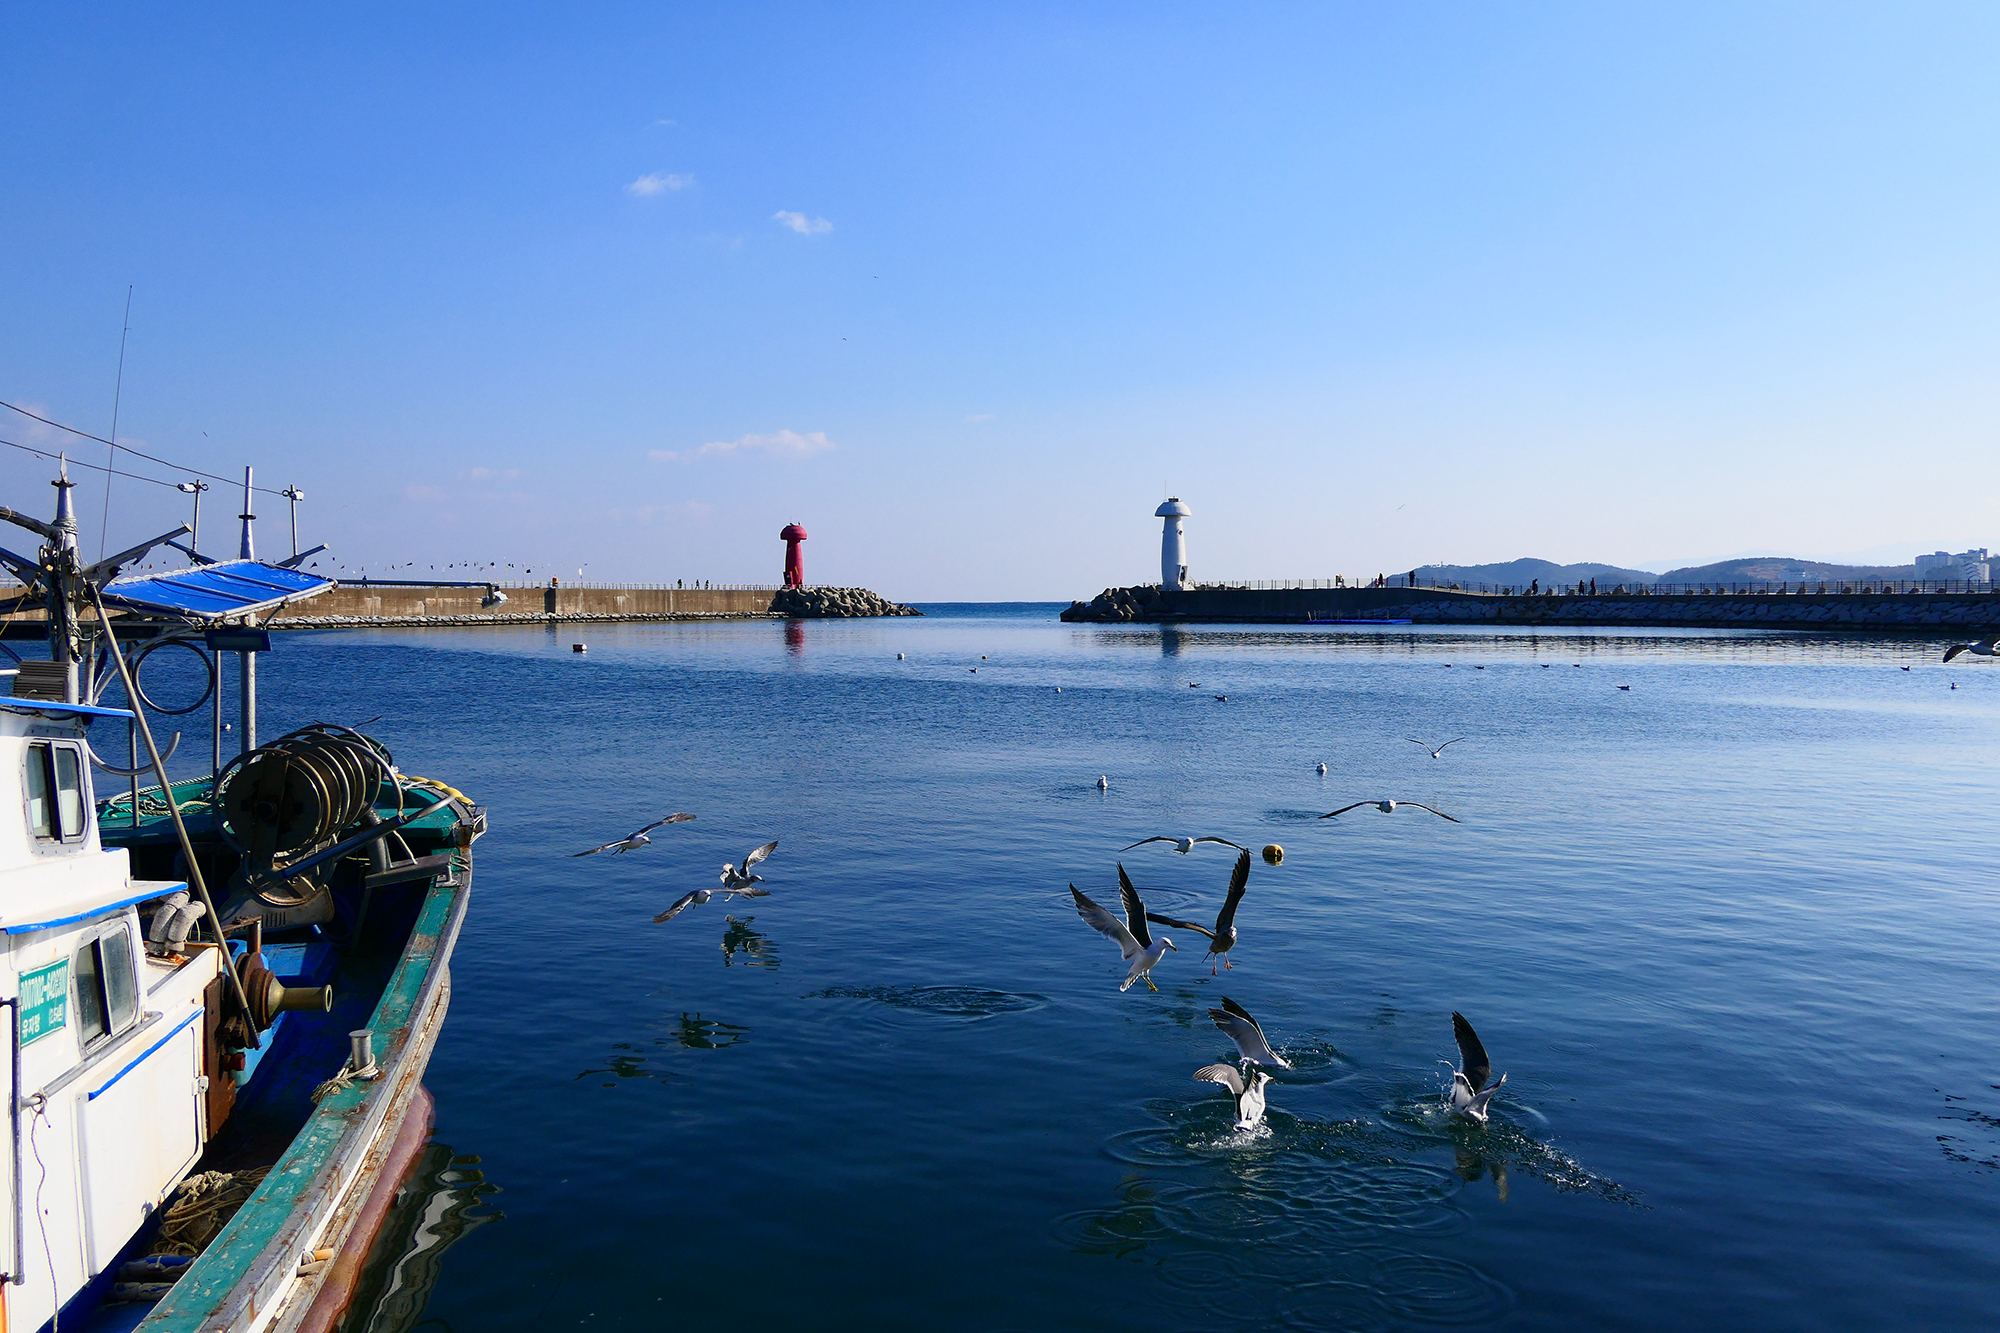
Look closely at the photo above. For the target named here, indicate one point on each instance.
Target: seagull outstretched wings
(635, 839)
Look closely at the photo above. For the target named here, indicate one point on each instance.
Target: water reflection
(756, 948)
(795, 637)
(708, 1034)
(443, 1199)
(1472, 1166)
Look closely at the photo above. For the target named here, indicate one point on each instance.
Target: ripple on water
(1319, 1306)
(1234, 1212)
(970, 1002)
(1434, 1290)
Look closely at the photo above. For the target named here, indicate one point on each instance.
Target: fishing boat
(225, 985)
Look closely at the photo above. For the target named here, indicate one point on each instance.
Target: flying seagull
(1131, 935)
(1223, 938)
(1990, 648)
(1249, 1093)
(1235, 1021)
(693, 898)
(632, 842)
(738, 879)
(1186, 845)
(1469, 1093)
(1390, 808)
(1437, 753)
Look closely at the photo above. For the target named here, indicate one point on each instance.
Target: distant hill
(1782, 569)
(1519, 573)
(1756, 569)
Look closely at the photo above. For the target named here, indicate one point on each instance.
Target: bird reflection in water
(708, 1034)
(1473, 1166)
(755, 948)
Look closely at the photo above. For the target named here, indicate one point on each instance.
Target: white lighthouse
(1173, 545)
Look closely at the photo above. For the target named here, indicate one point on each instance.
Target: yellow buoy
(1274, 854)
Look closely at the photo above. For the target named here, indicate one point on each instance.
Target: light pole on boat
(294, 494)
(246, 698)
(195, 488)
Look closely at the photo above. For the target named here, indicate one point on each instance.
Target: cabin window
(107, 990)
(58, 803)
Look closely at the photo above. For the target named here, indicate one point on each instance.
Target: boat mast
(59, 559)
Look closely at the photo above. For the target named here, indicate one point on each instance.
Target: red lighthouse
(795, 563)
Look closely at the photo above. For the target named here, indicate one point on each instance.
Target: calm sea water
(1731, 932)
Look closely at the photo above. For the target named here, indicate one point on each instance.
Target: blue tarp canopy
(207, 592)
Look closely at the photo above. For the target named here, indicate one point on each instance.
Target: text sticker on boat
(44, 1000)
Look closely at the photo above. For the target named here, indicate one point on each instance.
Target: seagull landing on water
(1990, 648)
(1469, 1093)
(632, 842)
(1247, 1033)
(1249, 1092)
(1135, 942)
(1186, 845)
(1223, 938)
(1390, 808)
(1437, 753)
(738, 879)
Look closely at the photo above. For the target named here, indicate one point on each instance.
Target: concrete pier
(356, 604)
(1965, 613)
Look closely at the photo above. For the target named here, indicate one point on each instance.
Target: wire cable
(94, 467)
(137, 453)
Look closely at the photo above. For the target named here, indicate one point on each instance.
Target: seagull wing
(1135, 910)
(1453, 741)
(1414, 741)
(1226, 1075)
(1104, 923)
(1239, 880)
(1239, 1027)
(759, 855)
(1472, 1061)
(677, 908)
(1439, 813)
(1224, 842)
(1178, 924)
(1143, 841)
(670, 819)
(1345, 808)
(595, 850)
(1955, 650)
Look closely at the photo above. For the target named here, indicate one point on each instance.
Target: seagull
(1222, 698)
(1249, 1093)
(1906, 668)
(1990, 648)
(1186, 845)
(1624, 687)
(1439, 752)
(1322, 770)
(1247, 1033)
(1133, 939)
(693, 898)
(738, 879)
(1469, 1093)
(1103, 783)
(632, 842)
(1223, 938)
(1390, 808)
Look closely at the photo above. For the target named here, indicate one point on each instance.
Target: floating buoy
(1274, 855)
(576, 647)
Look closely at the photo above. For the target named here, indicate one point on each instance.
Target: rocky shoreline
(833, 603)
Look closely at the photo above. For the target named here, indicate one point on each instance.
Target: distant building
(1966, 567)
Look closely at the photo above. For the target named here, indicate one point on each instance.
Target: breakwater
(357, 604)
(1968, 613)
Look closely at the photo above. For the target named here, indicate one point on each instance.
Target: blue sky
(626, 288)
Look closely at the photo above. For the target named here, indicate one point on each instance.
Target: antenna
(249, 548)
(111, 455)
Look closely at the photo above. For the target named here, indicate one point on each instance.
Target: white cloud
(656, 183)
(979, 416)
(800, 223)
(778, 444)
(658, 123)
(484, 473)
